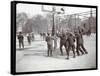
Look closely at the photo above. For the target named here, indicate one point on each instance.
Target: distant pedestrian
(29, 38)
(21, 40)
(33, 37)
(41, 34)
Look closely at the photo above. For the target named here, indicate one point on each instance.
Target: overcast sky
(33, 9)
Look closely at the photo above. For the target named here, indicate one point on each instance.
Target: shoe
(67, 58)
(78, 54)
(86, 52)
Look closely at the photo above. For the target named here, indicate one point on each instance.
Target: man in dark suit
(49, 44)
(29, 38)
(71, 45)
(21, 39)
(80, 44)
(62, 42)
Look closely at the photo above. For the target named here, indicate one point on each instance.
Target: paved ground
(34, 57)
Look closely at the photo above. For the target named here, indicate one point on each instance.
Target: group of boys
(67, 40)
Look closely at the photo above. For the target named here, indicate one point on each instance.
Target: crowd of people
(67, 39)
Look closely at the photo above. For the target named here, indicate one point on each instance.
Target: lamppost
(90, 22)
(53, 19)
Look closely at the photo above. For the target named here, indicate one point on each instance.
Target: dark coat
(79, 38)
(20, 38)
(49, 40)
(71, 39)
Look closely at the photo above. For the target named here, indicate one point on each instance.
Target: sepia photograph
(55, 37)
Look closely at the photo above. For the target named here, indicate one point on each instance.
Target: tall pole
(75, 21)
(53, 26)
(90, 21)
